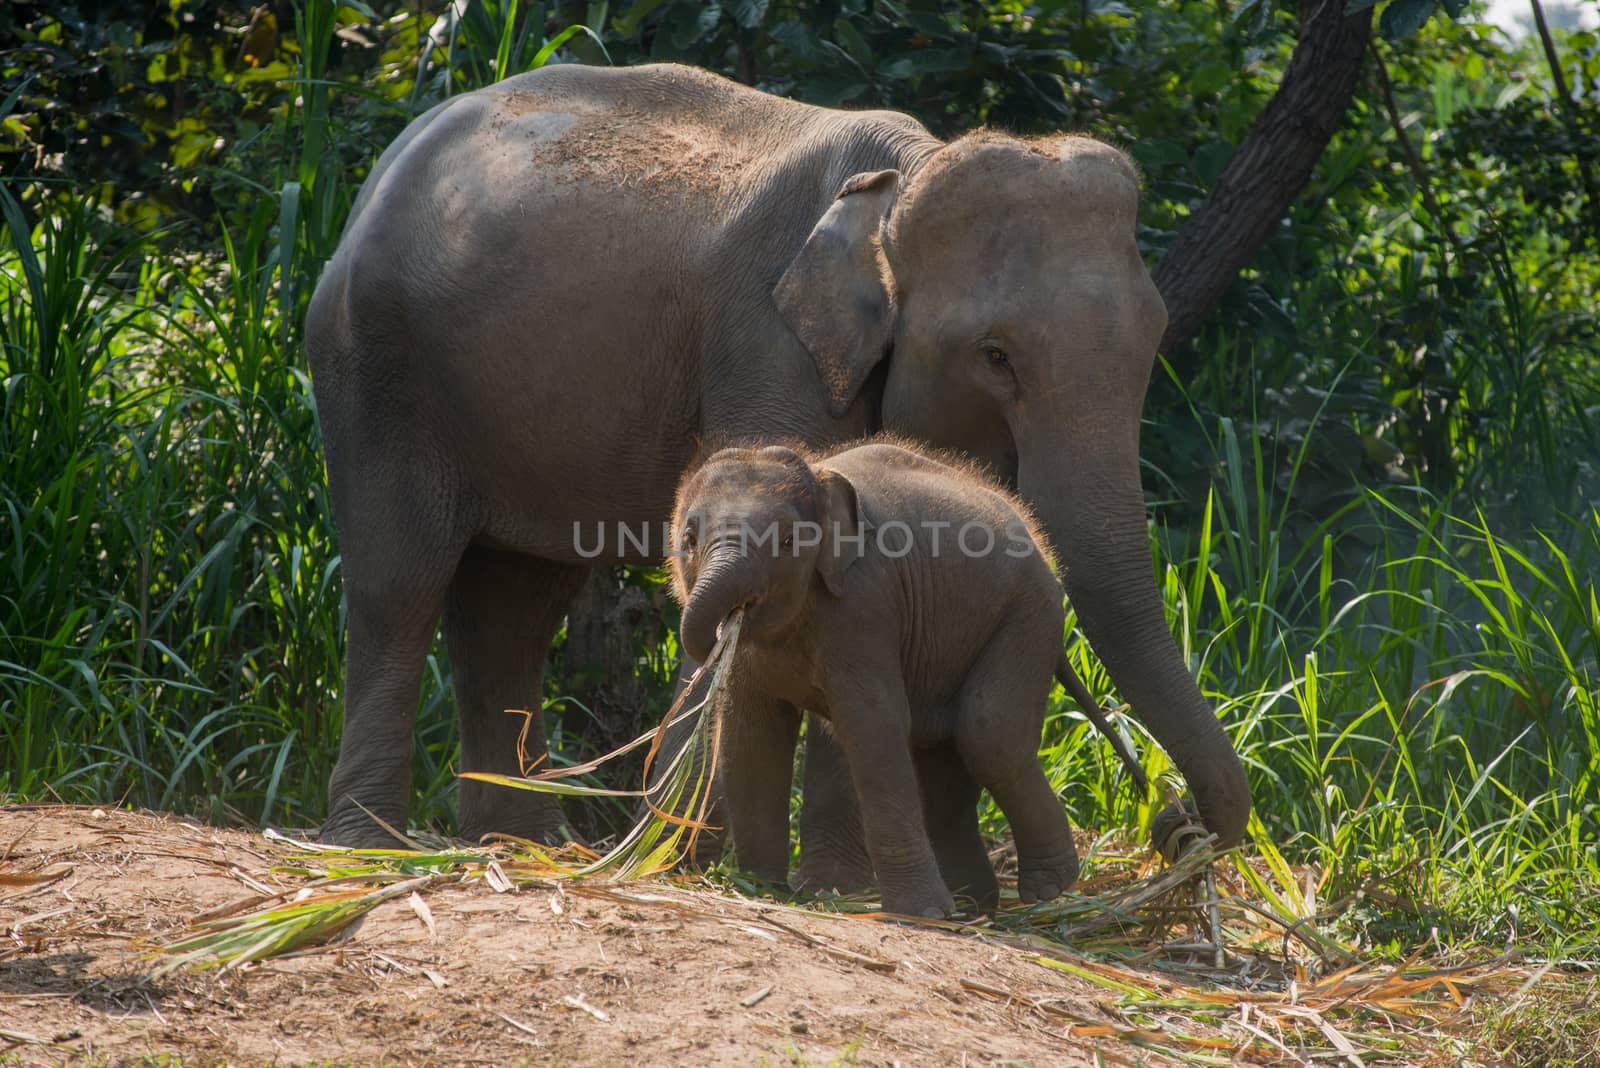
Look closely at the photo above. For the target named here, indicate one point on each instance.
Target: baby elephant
(908, 601)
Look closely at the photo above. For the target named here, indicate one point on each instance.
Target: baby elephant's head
(754, 528)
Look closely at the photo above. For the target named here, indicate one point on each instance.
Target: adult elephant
(553, 291)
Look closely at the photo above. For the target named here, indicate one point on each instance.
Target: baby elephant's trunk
(730, 578)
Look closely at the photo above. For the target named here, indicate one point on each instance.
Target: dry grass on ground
(512, 966)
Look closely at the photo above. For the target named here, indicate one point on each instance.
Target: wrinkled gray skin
(906, 603)
(553, 291)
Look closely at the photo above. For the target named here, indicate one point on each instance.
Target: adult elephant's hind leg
(501, 613)
(395, 581)
(757, 766)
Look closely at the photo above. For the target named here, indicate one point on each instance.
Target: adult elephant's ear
(838, 295)
(845, 529)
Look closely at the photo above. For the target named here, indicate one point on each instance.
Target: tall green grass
(1425, 727)
(171, 632)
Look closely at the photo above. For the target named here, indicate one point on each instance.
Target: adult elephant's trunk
(1093, 511)
(729, 578)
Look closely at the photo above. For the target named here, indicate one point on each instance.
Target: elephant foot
(708, 846)
(932, 902)
(821, 872)
(981, 888)
(1044, 881)
(536, 817)
(965, 868)
(351, 827)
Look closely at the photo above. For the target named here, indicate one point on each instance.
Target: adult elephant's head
(1002, 282)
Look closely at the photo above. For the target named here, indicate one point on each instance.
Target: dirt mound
(488, 957)
(571, 973)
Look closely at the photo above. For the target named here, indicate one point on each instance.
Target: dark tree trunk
(1261, 181)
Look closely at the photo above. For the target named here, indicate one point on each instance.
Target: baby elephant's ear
(844, 530)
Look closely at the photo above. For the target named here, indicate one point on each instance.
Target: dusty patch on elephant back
(590, 972)
(639, 152)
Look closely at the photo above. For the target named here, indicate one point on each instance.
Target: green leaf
(710, 15)
(543, 55)
(830, 89)
(1211, 76)
(851, 41)
(927, 61)
(288, 232)
(798, 38)
(627, 24)
(933, 25)
(1271, 319)
(1402, 18)
(1255, 14)
(546, 786)
(749, 13)
(1209, 161)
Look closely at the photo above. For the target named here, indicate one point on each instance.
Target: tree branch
(1268, 171)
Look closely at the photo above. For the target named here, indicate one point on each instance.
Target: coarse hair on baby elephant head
(759, 528)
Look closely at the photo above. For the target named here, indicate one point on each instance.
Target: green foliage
(1428, 725)
(1402, 18)
(1375, 470)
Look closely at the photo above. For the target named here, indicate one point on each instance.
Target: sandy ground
(569, 973)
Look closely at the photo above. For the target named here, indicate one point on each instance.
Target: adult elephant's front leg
(833, 849)
(709, 842)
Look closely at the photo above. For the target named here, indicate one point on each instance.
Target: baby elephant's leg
(997, 731)
(950, 806)
(872, 723)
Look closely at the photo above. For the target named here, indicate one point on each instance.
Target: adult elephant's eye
(787, 543)
(996, 356)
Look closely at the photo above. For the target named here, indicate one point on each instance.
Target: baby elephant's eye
(689, 539)
(787, 543)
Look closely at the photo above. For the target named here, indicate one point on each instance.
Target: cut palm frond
(677, 802)
(233, 940)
